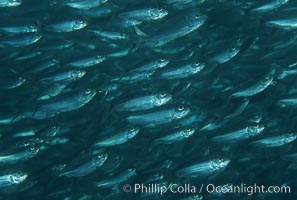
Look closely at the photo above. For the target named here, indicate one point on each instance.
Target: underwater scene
(148, 99)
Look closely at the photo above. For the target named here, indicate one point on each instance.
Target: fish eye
(100, 155)
(163, 59)
(88, 91)
(267, 77)
(188, 129)
(197, 63)
(132, 170)
(18, 174)
(80, 21)
(221, 159)
(32, 148)
(53, 127)
(163, 94)
(132, 129)
(196, 16)
(273, 82)
(181, 108)
(54, 60)
(26, 143)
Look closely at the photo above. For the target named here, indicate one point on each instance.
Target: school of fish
(96, 94)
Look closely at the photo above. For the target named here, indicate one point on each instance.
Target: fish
(18, 157)
(12, 82)
(86, 62)
(275, 141)
(156, 118)
(182, 72)
(190, 24)
(88, 167)
(70, 103)
(143, 72)
(270, 6)
(10, 3)
(203, 168)
(286, 24)
(53, 107)
(111, 35)
(239, 135)
(12, 179)
(64, 77)
(22, 40)
(136, 17)
(66, 26)
(118, 179)
(145, 102)
(176, 136)
(51, 92)
(119, 138)
(257, 87)
(20, 29)
(287, 102)
(85, 4)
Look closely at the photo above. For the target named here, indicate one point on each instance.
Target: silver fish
(10, 3)
(151, 66)
(88, 167)
(12, 179)
(145, 102)
(287, 102)
(242, 134)
(51, 92)
(18, 157)
(64, 77)
(118, 138)
(270, 6)
(192, 23)
(144, 14)
(156, 118)
(20, 29)
(176, 136)
(66, 26)
(291, 157)
(225, 56)
(111, 35)
(23, 40)
(68, 103)
(85, 4)
(257, 87)
(204, 168)
(118, 179)
(86, 62)
(53, 107)
(12, 83)
(275, 141)
(287, 24)
(182, 72)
